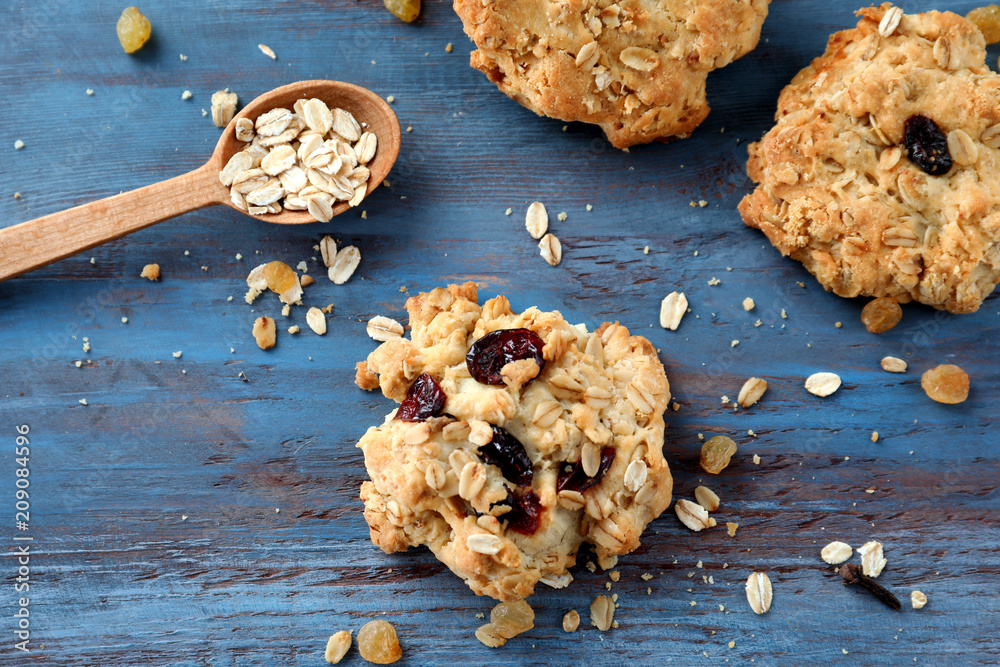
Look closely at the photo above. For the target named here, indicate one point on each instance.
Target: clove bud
(852, 574)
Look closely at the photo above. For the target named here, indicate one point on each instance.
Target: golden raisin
(279, 276)
(987, 19)
(378, 643)
(946, 383)
(510, 619)
(133, 29)
(405, 10)
(716, 452)
(881, 314)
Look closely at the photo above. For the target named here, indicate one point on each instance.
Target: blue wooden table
(203, 510)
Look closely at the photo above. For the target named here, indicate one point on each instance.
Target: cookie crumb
(756, 460)
(18, 145)
(918, 599)
(90, 91)
(590, 207)
(186, 95)
(184, 58)
(83, 401)
(714, 281)
(390, 99)
(449, 48)
(267, 51)
(562, 216)
(748, 304)
(178, 354)
(874, 436)
(151, 272)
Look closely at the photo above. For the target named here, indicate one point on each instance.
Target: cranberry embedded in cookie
(504, 479)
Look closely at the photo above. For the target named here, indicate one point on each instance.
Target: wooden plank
(154, 519)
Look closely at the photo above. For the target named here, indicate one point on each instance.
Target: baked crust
(563, 58)
(607, 388)
(836, 189)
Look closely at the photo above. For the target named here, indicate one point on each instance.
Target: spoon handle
(37, 243)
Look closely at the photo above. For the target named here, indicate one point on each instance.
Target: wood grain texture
(156, 535)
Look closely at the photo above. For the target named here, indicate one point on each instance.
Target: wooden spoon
(36, 243)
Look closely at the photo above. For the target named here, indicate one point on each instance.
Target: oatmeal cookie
(635, 68)
(882, 174)
(519, 437)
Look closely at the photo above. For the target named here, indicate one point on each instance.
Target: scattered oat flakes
(918, 599)
(267, 51)
(672, 310)
(872, 559)
(344, 265)
(536, 220)
(692, 515)
(893, 365)
(822, 384)
(186, 95)
(759, 592)
(307, 281)
(571, 621)
(551, 249)
(706, 498)
(150, 272)
(383, 328)
(751, 392)
(836, 553)
(748, 304)
(316, 320)
(602, 612)
(265, 332)
(338, 646)
(223, 107)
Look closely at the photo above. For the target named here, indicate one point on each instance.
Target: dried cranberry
(507, 453)
(525, 513)
(573, 478)
(489, 354)
(928, 145)
(424, 399)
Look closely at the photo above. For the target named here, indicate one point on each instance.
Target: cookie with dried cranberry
(882, 173)
(519, 437)
(635, 68)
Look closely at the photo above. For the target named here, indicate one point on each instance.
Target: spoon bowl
(37, 243)
(374, 114)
